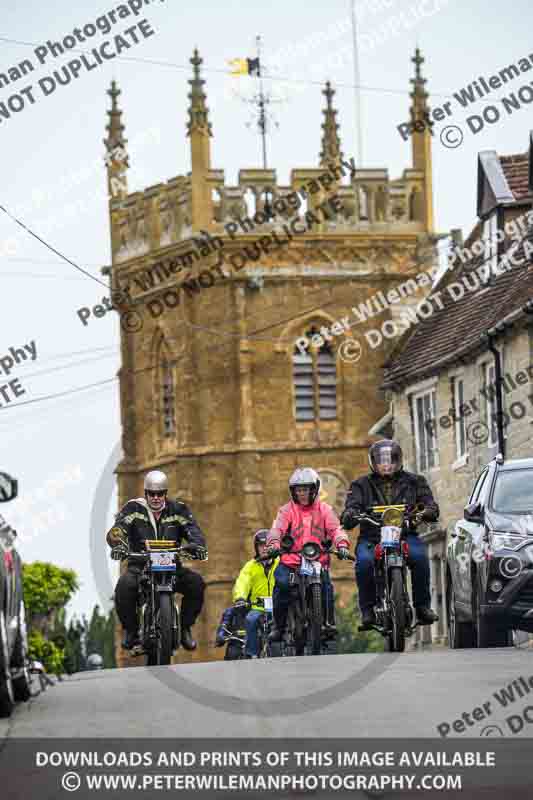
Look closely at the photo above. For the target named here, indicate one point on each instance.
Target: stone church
(213, 389)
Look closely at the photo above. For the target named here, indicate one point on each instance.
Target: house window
(169, 418)
(489, 393)
(458, 399)
(425, 430)
(490, 230)
(315, 383)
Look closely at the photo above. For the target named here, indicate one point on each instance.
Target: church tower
(218, 386)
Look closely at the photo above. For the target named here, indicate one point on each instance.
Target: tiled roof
(459, 326)
(515, 169)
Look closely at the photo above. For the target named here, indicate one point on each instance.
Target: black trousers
(188, 583)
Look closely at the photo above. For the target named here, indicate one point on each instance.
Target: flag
(245, 66)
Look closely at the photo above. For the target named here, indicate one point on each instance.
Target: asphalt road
(323, 696)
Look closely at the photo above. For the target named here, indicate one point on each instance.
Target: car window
(477, 488)
(513, 492)
(484, 489)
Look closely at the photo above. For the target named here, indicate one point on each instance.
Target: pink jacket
(306, 523)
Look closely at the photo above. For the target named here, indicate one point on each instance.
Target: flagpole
(262, 115)
(357, 91)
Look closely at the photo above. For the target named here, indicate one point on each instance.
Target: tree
(349, 639)
(47, 589)
(101, 636)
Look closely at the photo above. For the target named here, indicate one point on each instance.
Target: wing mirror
(8, 487)
(474, 513)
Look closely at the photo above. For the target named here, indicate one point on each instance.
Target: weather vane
(263, 118)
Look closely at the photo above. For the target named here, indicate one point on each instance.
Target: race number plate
(267, 603)
(390, 536)
(394, 561)
(306, 567)
(163, 562)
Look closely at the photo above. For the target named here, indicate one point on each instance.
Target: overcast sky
(58, 447)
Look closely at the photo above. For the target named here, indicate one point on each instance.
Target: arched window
(315, 382)
(168, 399)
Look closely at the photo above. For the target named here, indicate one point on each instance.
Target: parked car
(489, 576)
(14, 672)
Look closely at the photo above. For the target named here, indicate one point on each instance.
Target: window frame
(312, 356)
(460, 420)
(420, 395)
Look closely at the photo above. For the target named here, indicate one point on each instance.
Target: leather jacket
(370, 490)
(136, 522)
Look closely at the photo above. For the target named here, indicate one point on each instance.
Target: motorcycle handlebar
(276, 553)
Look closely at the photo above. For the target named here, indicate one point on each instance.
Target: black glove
(343, 553)
(429, 515)
(118, 553)
(198, 552)
(349, 519)
(240, 603)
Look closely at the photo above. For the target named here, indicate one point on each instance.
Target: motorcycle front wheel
(397, 636)
(165, 637)
(315, 618)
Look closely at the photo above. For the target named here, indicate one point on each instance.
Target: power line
(218, 70)
(58, 394)
(72, 364)
(49, 246)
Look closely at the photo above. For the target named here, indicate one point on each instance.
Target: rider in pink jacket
(306, 519)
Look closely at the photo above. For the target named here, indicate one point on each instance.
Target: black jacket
(407, 488)
(176, 523)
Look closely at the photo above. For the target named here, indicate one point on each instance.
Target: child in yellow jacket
(254, 585)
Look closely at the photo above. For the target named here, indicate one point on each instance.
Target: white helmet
(156, 481)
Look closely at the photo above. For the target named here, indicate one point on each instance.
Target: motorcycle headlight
(311, 550)
(509, 540)
(392, 516)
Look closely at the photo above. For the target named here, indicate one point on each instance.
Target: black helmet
(385, 453)
(260, 537)
(304, 477)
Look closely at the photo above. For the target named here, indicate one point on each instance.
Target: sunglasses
(156, 494)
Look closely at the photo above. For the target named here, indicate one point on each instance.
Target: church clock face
(332, 490)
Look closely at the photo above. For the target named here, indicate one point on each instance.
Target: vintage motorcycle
(236, 634)
(306, 632)
(393, 609)
(159, 615)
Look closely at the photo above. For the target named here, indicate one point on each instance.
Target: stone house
(441, 379)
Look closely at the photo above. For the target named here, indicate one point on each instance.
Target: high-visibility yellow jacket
(254, 582)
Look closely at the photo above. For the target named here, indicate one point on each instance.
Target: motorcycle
(393, 609)
(236, 635)
(159, 616)
(306, 631)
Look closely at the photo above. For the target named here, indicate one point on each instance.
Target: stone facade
(441, 382)
(209, 388)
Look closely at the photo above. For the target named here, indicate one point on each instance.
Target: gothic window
(168, 398)
(315, 382)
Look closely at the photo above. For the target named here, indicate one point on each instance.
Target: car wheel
(7, 696)
(485, 633)
(460, 634)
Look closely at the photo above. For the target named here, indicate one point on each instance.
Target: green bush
(47, 587)
(51, 656)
